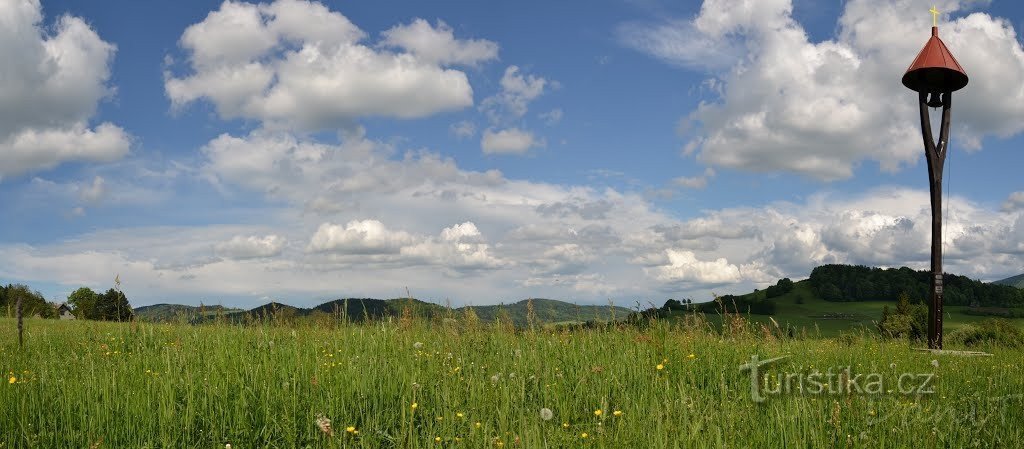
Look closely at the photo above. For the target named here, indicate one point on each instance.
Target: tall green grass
(106, 385)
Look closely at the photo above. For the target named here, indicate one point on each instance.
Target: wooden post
(936, 157)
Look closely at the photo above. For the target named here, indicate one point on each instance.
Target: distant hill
(174, 312)
(550, 311)
(1014, 281)
(547, 311)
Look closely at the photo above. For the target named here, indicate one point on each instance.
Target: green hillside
(175, 312)
(551, 311)
(1014, 281)
(547, 311)
(803, 310)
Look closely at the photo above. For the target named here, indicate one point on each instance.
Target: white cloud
(94, 192)
(458, 249)
(53, 80)
(359, 237)
(508, 141)
(695, 182)
(684, 267)
(438, 44)
(513, 101)
(679, 42)
(296, 64)
(819, 109)
(563, 259)
(250, 247)
(509, 246)
(552, 117)
(463, 129)
(1014, 202)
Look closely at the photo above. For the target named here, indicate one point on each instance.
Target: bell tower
(935, 75)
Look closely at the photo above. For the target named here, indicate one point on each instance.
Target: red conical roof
(935, 69)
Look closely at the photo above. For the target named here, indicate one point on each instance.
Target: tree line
(860, 283)
(32, 302)
(85, 304)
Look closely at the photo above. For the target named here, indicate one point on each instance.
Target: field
(462, 383)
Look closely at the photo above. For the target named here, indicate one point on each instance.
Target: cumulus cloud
(1014, 202)
(438, 44)
(517, 92)
(508, 141)
(506, 109)
(53, 80)
(359, 237)
(684, 267)
(299, 65)
(459, 248)
(821, 108)
(250, 247)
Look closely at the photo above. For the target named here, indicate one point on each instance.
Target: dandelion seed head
(546, 414)
(324, 424)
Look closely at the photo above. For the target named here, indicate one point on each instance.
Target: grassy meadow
(462, 383)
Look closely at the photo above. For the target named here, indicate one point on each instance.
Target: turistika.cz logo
(844, 380)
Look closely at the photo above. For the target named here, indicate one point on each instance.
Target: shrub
(993, 331)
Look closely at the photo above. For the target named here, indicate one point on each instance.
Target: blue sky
(484, 152)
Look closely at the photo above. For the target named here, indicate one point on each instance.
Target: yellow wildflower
(617, 413)
(690, 356)
(597, 412)
(350, 429)
(437, 439)
(12, 380)
(584, 435)
(660, 367)
(414, 405)
(565, 425)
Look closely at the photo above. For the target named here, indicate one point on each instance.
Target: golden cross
(935, 16)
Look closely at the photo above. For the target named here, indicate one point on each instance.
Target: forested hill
(1014, 281)
(861, 283)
